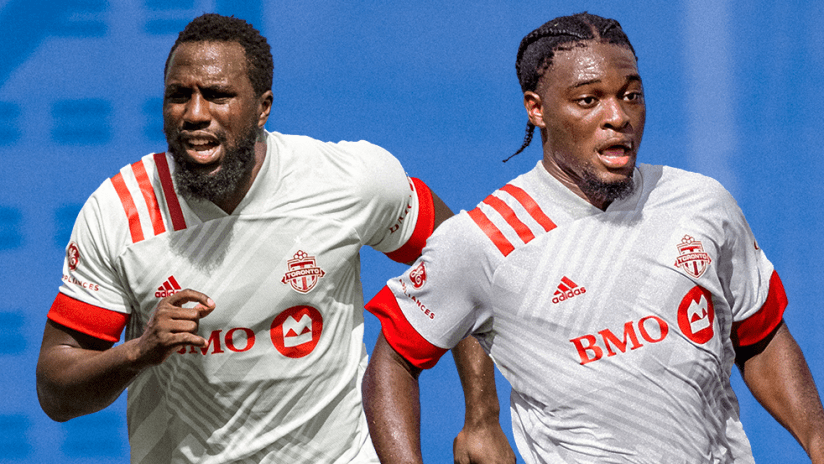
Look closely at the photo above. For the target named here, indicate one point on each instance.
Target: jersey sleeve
(92, 299)
(755, 291)
(442, 298)
(397, 211)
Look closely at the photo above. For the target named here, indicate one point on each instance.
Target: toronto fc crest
(303, 272)
(693, 259)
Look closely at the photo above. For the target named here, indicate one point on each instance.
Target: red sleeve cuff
(753, 329)
(423, 228)
(89, 319)
(400, 334)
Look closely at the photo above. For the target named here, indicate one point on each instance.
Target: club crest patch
(693, 259)
(303, 273)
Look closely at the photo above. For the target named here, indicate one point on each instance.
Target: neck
(230, 203)
(574, 184)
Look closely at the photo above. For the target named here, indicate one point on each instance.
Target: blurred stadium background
(734, 91)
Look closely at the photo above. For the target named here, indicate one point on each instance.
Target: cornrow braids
(539, 46)
(212, 27)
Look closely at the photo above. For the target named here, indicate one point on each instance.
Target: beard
(235, 168)
(594, 187)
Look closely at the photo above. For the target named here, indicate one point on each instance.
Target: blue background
(734, 91)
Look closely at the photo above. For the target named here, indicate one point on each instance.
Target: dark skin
(589, 108)
(591, 115)
(779, 378)
(208, 97)
(207, 91)
(78, 374)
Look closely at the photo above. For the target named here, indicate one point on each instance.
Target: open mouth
(201, 149)
(616, 154)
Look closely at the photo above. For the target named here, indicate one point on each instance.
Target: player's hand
(482, 445)
(172, 326)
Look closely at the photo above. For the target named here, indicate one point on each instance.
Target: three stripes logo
(169, 288)
(566, 290)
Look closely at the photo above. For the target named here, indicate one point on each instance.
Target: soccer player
(232, 263)
(614, 296)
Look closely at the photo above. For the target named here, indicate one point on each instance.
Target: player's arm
(79, 374)
(778, 376)
(442, 212)
(391, 399)
(482, 440)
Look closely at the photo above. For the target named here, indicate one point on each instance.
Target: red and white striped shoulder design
(147, 194)
(504, 224)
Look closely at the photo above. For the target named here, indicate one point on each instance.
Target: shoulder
(342, 153)
(514, 214)
(113, 215)
(344, 161)
(690, 186)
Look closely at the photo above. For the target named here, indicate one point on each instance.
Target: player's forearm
(74, 381)
(781, 381)
(392, 403)
(477, 374)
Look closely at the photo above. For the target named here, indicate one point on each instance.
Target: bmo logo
(696, 315)
(296, 331)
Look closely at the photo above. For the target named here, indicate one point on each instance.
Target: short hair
(539, 46)
(212, 27)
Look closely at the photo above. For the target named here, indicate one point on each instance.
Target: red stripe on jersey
(176, 213)
(491, 231)
(753, 329)
(531, 207)
(509, 216)
(91, 320)
(149, 196)
(400, 334)
(413, 247)
(128, 206)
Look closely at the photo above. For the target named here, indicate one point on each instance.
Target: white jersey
(613, 327)
(279, 379)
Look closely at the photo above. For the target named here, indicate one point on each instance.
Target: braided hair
(212, 27)
(538, 48)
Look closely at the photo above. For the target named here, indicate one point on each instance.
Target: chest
(625, 295)
(253, 268)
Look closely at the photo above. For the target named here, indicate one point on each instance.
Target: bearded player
(614, 296)
(232, 263)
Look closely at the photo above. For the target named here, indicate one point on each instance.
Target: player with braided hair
(614, 297)
(538, 47)
(232, 262)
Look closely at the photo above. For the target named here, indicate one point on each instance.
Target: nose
(197, 110)
(615, 117)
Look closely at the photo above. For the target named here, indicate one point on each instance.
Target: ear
(534, 109)
(264, 107)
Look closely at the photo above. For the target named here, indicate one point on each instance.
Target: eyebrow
(630, 78)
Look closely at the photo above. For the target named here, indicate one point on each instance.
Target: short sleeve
(752, 285)
(390, 202)
(441, 298)
(92, 298)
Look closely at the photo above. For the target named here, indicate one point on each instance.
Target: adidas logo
(169, 288)
(566, 290)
